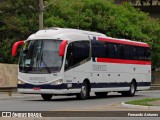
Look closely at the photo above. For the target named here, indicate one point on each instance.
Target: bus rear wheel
(84, 94)
(131, 91)
(46, 97)
(101, 94)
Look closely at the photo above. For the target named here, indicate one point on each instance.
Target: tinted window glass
(119, 51)
(98, 49)
(147, 53)
(133, 52)
(111, 50)
(140, 53)
(76, 52)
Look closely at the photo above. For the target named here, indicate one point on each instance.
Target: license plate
(36, 88)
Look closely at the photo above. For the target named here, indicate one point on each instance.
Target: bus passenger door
(77, 57)
(68, 74)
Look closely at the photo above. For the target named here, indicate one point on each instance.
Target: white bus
(62, 61)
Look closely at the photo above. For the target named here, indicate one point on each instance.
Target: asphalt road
(22, 102)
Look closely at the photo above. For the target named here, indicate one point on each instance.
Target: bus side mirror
(15, 47)
(62, 47)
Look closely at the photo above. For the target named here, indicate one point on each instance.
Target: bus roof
(62, 33)
(55, 33)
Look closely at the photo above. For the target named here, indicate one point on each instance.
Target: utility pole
(41, 10)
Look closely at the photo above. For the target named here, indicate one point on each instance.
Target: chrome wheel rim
(132, 88)
(84, 92)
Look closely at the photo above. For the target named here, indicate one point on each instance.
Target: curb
(140, 106)
(150, 91)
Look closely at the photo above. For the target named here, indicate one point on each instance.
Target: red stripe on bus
(111, 60)
(113, 40)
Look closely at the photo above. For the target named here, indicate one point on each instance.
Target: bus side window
(117, 50)
(140, 53)
(127, 52)
(76, 52)
(133, 53)
(111, 50)
(99, 49)
(69, 56)
(81, 50)
(147, 53)
(121, 51)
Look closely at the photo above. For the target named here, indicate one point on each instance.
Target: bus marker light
(69, 85)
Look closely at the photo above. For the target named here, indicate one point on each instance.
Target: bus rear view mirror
(62, 47)
(15, 47)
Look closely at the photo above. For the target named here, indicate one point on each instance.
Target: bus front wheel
(46, 97)
(84, 94)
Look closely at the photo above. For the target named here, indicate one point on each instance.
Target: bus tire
(101, 94)
(84, 94)
(131, 91)
(46, 97)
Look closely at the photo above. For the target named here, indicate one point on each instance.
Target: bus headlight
(57, 82)
(21, 82)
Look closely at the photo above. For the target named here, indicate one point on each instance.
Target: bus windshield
(40, 56)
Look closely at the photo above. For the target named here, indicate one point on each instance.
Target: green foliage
(145, 101)
(19, 19)
(120, 21)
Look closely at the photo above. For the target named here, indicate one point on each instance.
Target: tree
(121, 21)
(18, 19)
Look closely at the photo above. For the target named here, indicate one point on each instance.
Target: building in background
(149, 6)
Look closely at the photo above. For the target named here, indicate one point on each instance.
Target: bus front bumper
(48, 89)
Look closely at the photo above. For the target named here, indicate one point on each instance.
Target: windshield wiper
(48, 69)
(40, 59)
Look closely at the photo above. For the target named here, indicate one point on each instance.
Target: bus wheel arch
(85, 90)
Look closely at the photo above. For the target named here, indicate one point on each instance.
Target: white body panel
(97, 73)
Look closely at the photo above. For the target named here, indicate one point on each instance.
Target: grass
(143, 101)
